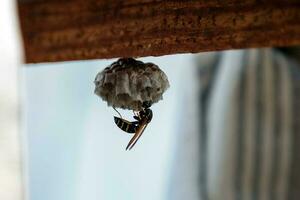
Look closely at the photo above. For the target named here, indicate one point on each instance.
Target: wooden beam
(86, 29)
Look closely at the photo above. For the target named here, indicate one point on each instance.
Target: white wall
(10, 59)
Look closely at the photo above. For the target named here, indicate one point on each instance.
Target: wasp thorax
(128, 84)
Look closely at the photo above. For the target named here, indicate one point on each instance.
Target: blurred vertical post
(10, 59)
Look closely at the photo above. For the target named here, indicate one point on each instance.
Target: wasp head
(147, 104)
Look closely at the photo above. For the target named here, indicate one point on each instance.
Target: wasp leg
(135, 113)
(118, 112)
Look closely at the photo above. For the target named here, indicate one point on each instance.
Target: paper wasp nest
(127, 83)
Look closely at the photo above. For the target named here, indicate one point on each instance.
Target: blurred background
(75, 150)
(228, 128)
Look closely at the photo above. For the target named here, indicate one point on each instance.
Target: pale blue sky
(76, 152)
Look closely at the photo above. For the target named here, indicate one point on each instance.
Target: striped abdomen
(125, 125)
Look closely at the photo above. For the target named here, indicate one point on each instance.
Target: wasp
(137, 128)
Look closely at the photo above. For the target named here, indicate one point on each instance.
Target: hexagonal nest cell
(127, 83)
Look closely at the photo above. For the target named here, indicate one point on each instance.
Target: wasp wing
(137, 135)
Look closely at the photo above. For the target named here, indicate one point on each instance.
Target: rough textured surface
(85, 29)
(128, 83)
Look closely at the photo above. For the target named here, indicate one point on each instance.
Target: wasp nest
(127, 83)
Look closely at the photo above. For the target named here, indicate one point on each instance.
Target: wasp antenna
(118, 112)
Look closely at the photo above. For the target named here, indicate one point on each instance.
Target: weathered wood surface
(86, 29)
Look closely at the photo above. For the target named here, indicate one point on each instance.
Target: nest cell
(127, 83)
